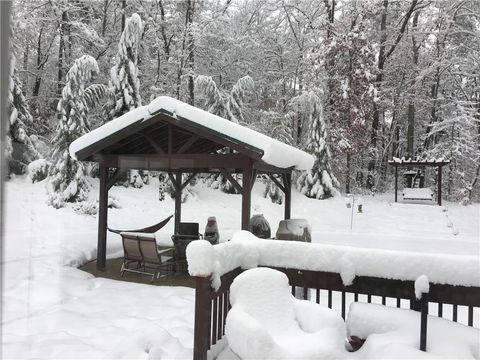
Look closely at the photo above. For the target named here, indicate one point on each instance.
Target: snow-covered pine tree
(319, 182)
(215, 101)
(20, 149)
(221, 104)
(237, 96)
(67, 182)
(124, 83)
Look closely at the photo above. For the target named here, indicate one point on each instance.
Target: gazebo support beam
(102, 219)
(287, 183)
(246, 195)
(177, 184)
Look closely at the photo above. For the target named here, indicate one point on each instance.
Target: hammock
(148, 230)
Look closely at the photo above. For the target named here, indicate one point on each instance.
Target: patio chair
(141, 250)
(187, 232)
(267, 322)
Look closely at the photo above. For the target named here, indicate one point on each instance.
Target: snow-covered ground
(53, 310)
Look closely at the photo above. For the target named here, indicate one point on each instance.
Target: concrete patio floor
(112, 271)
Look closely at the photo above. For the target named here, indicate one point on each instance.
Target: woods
(352, 82)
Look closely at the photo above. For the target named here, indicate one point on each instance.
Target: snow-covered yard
(53, 310)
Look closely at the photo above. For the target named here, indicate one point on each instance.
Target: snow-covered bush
(273, 192)
(38, 170)
(86, 207)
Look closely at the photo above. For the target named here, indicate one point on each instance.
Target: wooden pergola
(436, 163)
(164, 140)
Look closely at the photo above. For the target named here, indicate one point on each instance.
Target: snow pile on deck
(267, 322)
(274, 152)
(247, 251)
(395, 333)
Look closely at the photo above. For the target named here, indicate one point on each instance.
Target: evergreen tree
(20, 149)
(67, 182)
(237, 96)
(124, 83)
(319, 182)
(215, 101)
(228, 106)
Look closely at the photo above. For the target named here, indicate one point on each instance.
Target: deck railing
(211, 307)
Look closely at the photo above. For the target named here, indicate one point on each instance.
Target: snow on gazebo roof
(419, 161)
(273, 151)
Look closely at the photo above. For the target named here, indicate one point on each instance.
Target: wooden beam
(178, 201)
(232, 180)
(189, 179)
(184, 148)
(287, 183)
(173, 180)
(267, 168)
(154, 144)
(280, 186)
(246, 196)
(173, 161)
(102, 220)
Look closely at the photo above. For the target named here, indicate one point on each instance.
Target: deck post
(423, 321)
(201, 332)
(287, 183)
(102, 219)
(396, 183)
(439, 186)
(246, 195)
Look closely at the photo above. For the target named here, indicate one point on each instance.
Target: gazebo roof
(418, 162)
(170, 126)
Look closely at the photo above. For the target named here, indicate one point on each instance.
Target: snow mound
(422, 286)
(267, 322)
(391, 331)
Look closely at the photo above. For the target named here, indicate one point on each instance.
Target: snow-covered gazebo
(170, 135)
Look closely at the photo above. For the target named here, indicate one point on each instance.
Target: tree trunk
(124, 15)
(38, 78)
(411, 104)
(61, 53)
(191, 50)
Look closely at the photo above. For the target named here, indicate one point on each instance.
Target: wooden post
(423, 321)
(439, 186)
(396, 183)
(102, 219)
(246, 195)
(287, 183)
(201, 342)
(178, 201)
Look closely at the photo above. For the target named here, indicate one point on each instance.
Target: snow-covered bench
(417, 194)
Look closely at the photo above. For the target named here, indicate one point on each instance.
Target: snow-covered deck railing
(335, 275)
(272, 151)
(247, 251)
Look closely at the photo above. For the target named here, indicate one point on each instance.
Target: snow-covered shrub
(38, 170)
(113, 203)
(273, 192)
(86, 207)
(136, 179)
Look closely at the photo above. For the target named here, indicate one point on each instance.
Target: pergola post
(396, 183)
(246, 195)
(102, 219)
(439, 186)
(287, 183)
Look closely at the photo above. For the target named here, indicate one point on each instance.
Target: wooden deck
(112, 271)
